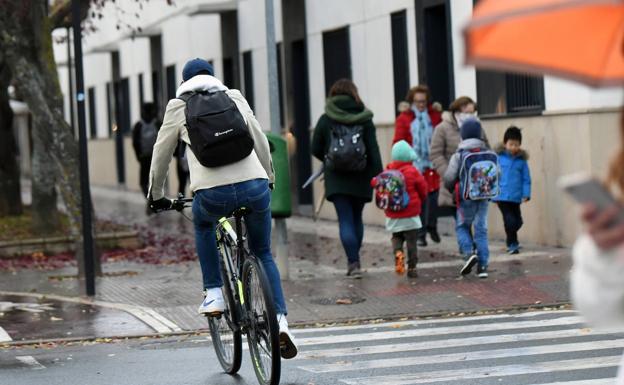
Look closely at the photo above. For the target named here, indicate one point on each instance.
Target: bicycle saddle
(239, 212)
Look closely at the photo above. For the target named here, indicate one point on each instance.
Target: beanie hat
(194, 67)
(403, 152)
(471, 129)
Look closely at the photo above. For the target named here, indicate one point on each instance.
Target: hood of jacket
(201, 83)
(500, 150)
(397, 165)
(470, 144)
(344, 109)
(447, 117)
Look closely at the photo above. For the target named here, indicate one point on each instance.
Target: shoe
(422, 241)
(213, 303)
(468, 265)
(354, 271)
(435, 237)
(412, 272)
(514, 248)
(482, 272)
(399, 262)
(288, 346)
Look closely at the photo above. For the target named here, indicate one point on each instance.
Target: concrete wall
(558, 144)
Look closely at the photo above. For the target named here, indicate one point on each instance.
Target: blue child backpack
(390, 191)
(478, 175)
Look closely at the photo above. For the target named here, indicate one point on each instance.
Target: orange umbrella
(581, 40)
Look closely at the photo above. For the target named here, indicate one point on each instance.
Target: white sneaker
(288, 346)
(213, 303)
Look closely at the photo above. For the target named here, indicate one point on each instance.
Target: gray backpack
(149, 133)
(347, 151)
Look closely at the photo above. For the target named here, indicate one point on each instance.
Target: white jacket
(597, 285)
(257, 165)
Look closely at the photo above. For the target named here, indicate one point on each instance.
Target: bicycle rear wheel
(224, 331)
(263, 330)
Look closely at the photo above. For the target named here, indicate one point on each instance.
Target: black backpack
(347, 151)
(217, 130)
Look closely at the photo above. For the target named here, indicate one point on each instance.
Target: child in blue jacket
(515, 184)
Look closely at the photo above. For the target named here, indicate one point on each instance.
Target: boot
(411, 269)
(399, 262)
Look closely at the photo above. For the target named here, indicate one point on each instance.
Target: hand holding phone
(603, 215)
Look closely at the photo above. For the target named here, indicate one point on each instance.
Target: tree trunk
(26, 40)
(10, 191)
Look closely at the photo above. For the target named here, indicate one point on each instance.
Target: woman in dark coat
(349, 191)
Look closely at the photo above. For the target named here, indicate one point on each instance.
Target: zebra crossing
(545, 347)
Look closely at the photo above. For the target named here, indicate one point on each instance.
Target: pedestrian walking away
(144, 136)
(235, 170)
(444, 143)
(415, 125)
(400, 191)
(472, 175)
(345, 141)
(514, 183)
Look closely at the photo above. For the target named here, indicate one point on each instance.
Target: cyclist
(221, 189)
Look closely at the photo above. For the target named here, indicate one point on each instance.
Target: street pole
(71, 82)
(87, 234)
(281, 247)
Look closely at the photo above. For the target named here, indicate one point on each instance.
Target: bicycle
(249, 303)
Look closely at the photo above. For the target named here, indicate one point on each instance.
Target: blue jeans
(349, 210)
(212, 204)
(469, 214)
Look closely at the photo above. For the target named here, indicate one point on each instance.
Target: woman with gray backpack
(345, 141)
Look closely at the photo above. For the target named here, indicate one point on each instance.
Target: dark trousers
(429, 214)
(349, 210)
(512, 217)
(144, 169)
(410, 238)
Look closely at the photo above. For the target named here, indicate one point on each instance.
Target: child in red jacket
(405, 222)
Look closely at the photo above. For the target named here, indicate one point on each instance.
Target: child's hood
(470, 144)
(398, 165)
(501, 150)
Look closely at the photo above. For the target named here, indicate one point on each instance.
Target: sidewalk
(171, 293)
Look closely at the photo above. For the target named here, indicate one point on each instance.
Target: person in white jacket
(220, 190)
(597, 280)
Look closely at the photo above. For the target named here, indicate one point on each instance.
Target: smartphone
(586, 189)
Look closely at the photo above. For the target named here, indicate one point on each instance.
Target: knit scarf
(422, 131)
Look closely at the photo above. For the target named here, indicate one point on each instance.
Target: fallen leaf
(344, 301)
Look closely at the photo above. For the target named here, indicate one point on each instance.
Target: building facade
(384, 46)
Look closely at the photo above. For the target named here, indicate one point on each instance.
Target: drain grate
(338, 300)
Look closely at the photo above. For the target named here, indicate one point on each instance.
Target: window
(508, 93)
(141, 94)
(171, 82)
(110, 108)
(336, 56)
(92, 113)
(248, 78)
(124, 106)
(400, 59)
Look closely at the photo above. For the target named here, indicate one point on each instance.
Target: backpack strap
(186, 96)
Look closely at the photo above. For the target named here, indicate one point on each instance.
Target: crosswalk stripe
(507, 326)
(30, 361)
(486, 372)
(4, 336)
(464, 357)
(437, 321)
(599, 381)
(448, 343)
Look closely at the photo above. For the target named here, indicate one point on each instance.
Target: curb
(296, 325)
(146, 315)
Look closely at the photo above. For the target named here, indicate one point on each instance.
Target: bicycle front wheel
(226, 333)
(263, 330)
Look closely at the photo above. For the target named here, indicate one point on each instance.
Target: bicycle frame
(234, 237)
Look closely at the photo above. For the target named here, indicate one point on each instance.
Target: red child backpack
(390, 191)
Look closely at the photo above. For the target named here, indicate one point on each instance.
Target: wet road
(31, 318)
(552, 348)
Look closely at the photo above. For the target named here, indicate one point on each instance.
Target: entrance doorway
(435, 49)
